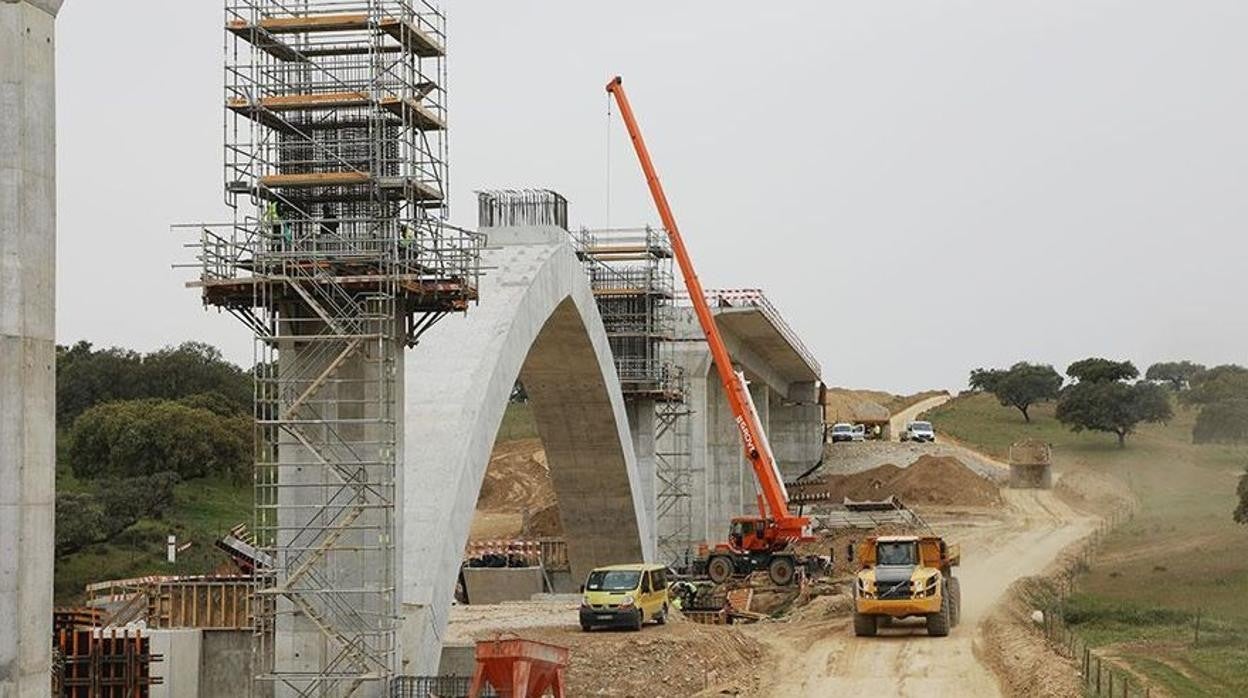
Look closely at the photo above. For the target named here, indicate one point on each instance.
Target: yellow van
(624, 596)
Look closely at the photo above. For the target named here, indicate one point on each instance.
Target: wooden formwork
(222, 603)
(95, 663)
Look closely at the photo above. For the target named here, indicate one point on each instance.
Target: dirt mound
(944, 480)
(679, 659)
(940, 480)
(517, 479)
(545, 523)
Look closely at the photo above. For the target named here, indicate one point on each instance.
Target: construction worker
(272, 222)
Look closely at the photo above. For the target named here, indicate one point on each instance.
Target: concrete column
(641, 427)
(27, 343)
(312, 500)
(796, 428)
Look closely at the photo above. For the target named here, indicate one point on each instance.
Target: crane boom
(754, 441)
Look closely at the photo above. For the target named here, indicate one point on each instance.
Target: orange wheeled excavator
(762, 542)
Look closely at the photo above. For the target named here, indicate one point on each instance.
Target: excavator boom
(754, 441)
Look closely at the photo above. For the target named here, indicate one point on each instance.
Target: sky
(921, 188)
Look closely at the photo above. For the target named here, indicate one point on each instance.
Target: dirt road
(823, 658)
(897, 423)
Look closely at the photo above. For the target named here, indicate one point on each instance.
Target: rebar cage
(338, 256)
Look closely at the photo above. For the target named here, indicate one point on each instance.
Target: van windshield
(921, 426)
(612, 580)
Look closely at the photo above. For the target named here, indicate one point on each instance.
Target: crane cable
(608, 178)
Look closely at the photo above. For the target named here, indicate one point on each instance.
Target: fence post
(1098, 676)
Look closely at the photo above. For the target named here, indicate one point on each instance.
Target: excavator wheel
(781, 570)
(719, 568)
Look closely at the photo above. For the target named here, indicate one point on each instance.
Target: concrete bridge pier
(538, 322)
(786, 389)
(27, 343)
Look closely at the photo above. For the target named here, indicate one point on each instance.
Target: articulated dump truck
(905, 576)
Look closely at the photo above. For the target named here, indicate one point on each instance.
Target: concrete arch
(537, 322)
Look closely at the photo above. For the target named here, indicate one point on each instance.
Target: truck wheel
(864, 625)
(938, 623)
(719, 569)
(955, 602)
(781, 570)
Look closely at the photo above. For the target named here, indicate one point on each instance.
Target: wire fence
(1101, 675)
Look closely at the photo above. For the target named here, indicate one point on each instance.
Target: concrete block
(458, 659)
(227, 664)
(488, 585)
(180, 665)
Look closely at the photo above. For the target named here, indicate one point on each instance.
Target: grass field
(203, 511)
(1180, 556)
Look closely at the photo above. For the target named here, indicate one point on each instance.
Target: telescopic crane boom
(779, 527)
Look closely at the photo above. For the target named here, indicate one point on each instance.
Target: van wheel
(641, 618)
(661, 619)
(864, 625)
(586, 627)
(719, 569)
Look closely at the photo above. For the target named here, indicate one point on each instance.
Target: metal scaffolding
(339, 256)
(630, 271)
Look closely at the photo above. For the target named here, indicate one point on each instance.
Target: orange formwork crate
(518, 668)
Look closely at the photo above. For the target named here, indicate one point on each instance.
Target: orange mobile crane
(754, 542)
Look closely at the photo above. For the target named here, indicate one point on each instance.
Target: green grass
(517, 423)
(203, 510)
(1181, 554)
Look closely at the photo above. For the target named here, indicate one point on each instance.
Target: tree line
(1109, 396)
(132, 426)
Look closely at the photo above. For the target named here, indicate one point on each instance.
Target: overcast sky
(921, 187)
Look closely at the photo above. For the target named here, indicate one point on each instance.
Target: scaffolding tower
(630, 272)
(338, 256)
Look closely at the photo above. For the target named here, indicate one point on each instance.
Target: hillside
(1181, 554)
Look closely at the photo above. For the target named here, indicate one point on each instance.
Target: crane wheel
(781, 570)
(719, 569)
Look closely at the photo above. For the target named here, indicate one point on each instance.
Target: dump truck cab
(905, 576)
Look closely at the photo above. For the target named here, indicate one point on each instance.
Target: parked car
(624, 596)
(841, 431)
(860, 432)
(919, 431)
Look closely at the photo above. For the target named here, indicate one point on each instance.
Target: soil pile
(935, 480)
(545, 523)
(679, 659)
(517, 479)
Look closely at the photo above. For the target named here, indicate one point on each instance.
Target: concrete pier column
(641, 427)
(27, 343)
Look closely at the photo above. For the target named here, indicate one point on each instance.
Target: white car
(919, 431)
(841, 431)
